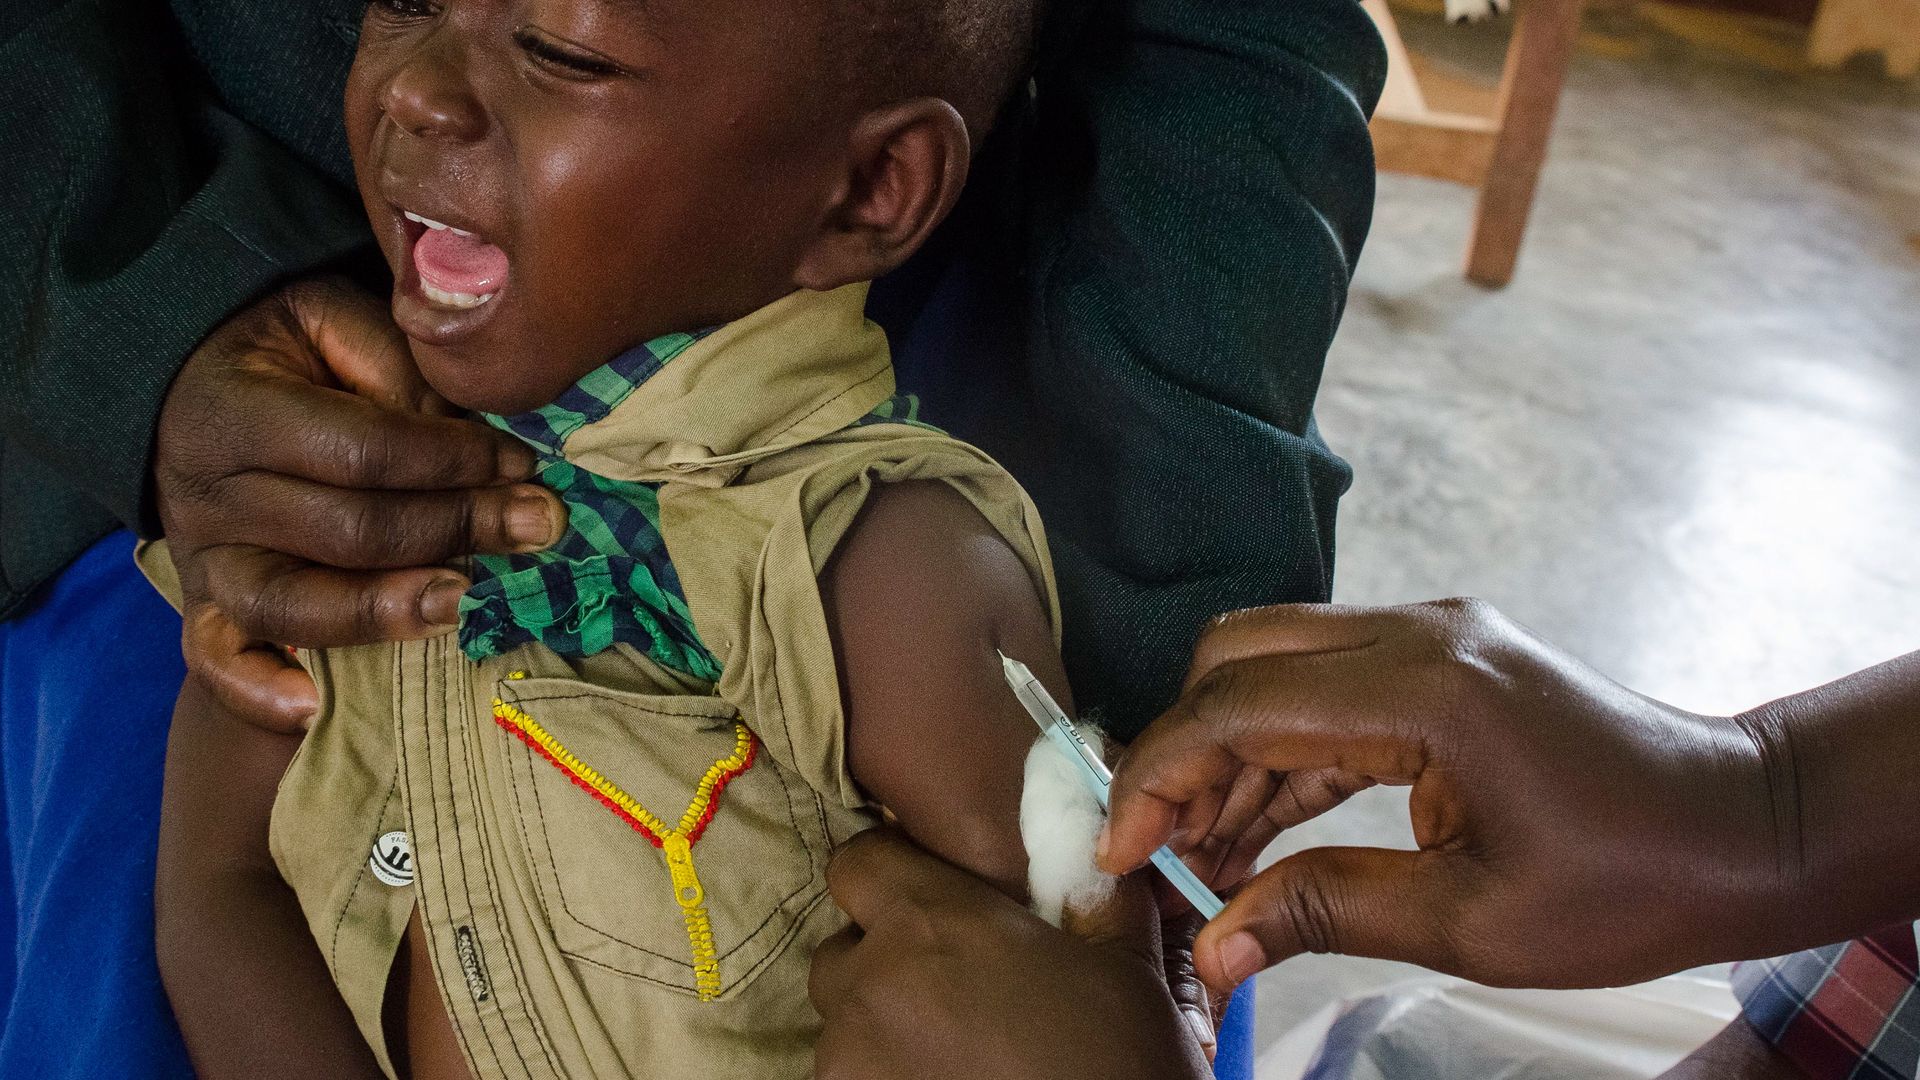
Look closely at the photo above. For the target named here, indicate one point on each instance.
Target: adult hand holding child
(943, 976)
(311, 483)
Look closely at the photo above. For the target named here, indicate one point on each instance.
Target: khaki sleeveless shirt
(501, 797)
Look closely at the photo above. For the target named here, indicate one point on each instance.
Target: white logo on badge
(392, 859)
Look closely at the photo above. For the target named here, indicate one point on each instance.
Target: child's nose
(429, 95)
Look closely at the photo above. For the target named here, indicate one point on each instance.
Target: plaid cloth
(592, 398)
(898, 409)
(609, 579)
(1843, 1012)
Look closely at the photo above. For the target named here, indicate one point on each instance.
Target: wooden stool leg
(1543, 42)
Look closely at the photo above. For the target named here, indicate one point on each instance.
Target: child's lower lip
(432, 322)
(429, 312)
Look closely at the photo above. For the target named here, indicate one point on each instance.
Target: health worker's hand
(310, 485)
(942, 977)
(1571, 832)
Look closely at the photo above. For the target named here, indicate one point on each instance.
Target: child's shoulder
(810, 494)
(752, 556)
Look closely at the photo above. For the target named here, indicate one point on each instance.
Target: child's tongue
(461, 264)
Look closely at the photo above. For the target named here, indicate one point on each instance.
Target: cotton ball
(1059, 821)
(1465, 11)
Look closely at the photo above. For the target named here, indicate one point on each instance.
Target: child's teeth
(429, 222)
(453, 299)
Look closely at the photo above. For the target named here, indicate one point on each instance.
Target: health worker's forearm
(1843, 763)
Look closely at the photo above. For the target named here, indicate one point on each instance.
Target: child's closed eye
(561, 60)
(565, 61)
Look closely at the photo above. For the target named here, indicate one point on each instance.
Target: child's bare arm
(248, 985)
(918, 597)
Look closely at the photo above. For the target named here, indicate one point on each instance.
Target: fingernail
(1202, 1028)
(530, 520)
(1241, 956)
(440, 602)
(515, 461)
(1101, 843)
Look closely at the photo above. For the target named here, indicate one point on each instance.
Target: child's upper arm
(231, 938)
(918, 596)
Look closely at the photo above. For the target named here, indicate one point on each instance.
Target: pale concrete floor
(1684, 443)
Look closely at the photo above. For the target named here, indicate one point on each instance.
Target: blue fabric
(1233, 1046)
(88, 674)
(1340, 1050)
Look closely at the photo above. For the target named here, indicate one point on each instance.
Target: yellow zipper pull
(686, 884)
(687, 890)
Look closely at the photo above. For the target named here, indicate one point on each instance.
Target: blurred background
(1683, 440)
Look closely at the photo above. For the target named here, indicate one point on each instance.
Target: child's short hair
(973, 53)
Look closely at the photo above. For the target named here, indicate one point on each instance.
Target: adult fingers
(880, 875)
(1241, 812)
(333, 437)
(1281, 629)
(1248, 800)
(1305, 794)
(835, 972)
(254, 681)
(351, 332)
(1196, 818)
(1353, 901)
(1302, 796)
(368, 530)
(275, 597)
(1241, 808)
(1278, 712)
(841, 1053)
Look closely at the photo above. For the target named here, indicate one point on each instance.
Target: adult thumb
(353, 334)
(1354, 901)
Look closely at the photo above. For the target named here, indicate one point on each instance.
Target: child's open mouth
(457, 269)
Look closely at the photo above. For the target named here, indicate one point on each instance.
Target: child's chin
(484, 383)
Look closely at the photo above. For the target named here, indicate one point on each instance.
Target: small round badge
(392, 859)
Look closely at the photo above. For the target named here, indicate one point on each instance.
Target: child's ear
(906, 165)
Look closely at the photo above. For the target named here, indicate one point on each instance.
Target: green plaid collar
(797, 370)
(592, 398)
(608, 579)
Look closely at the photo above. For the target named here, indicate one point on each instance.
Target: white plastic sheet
(1437, 1028)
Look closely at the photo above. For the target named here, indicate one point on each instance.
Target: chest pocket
(664, 844)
